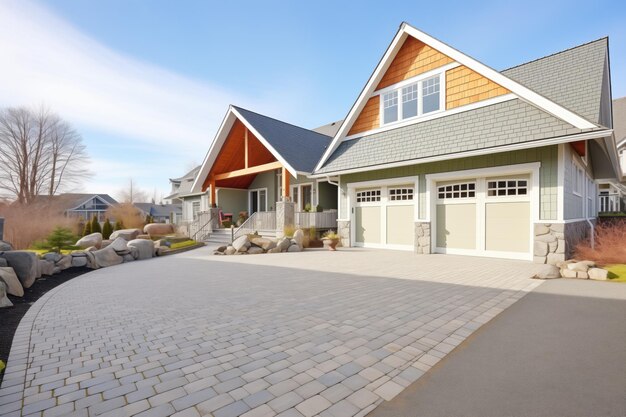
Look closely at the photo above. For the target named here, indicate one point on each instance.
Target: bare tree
(39, 154)
(132, 193)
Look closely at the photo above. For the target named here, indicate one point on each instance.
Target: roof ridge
(554, 54)
(281, 121)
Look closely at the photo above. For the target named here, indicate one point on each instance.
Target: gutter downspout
(336, 184)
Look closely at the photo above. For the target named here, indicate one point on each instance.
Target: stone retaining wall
(556, 242)
(422, 238)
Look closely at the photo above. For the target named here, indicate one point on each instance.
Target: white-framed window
(390, 107)
(368, 196)
(507, 187)
(417, 99)
(401, 194)
(456, 191)
(577, 179)
(195, 209)
(591, 194)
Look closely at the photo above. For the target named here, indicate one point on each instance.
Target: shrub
(119, 225)
(127, 214)
(95, 225)
(226, 224)
(610, 245)
(307, 207)
(107, 229)
(60, 238)
(289, 230)
(319, 208)
(312, 233)
(87, 229)
(149, 219)
(331, 235)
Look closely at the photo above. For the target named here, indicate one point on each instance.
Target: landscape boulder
(65, 262)
(53, 257)
(230, 250)
(298, 237)
(158, 229)
(25, 264)
(144, 248)
(119, 244)
(578, 267)
(241, 244)
(79, 261)
(3, 263)
(94, 239)
(548, 272)
(106, 257)
(5, 246)
(294, 248)
(127, 234)
(4, 300)
(274, 250)
(128, 258)
(284, 244)
(14, 287)
(105, 243)
(264, 243)
(255, 250)
(598, 274)
(47, 267)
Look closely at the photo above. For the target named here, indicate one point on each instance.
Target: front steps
(220, 237)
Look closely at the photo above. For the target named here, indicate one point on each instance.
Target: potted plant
(243, 216)
(331, 239)
(307, 207)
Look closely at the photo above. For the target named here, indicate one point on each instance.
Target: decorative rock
(119, 244)
(56, 270)
(590, 264)
(4, 300)
(284, 244)
(52, 257)
(105, 243)
(14, 287)
(65, 262)
(568, 273)
(241, 244)
(540, 248)
(557, 227)
(25, 264)
(161, 251)
(91, 260)
(254, 250)
(230, 250)
(79, 261)
(298, 236)
(5, 246)
(158, 229)
(541, 229)
(144, 236)
(294, 248)
(106, 257)
(578, 267)
(265, 244)
(274, 250)
(221, 248)
(3, 263)
(47, 267)
(94, 239)
(553, 258)
(144, 248)
(545, 238)
(548, 272)
(128, 258)
(539, 259)
(598, 274)
(134, 252)
(582, 275)
(560, 248)
(78, 254)
(126, 234)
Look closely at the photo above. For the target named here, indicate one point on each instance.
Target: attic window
(416, 99)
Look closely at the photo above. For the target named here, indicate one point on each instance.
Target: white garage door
(484, 216)
(384, 216)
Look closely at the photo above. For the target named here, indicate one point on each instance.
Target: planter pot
(331, 244)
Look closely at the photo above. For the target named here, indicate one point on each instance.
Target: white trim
(433, 115)
(406, 30)
(417, 78)
(477, 152)
(298, 186)
(560, 179)
(258, 197)
(577, 169)
(389, 246)
(90, 198)
(481, 175)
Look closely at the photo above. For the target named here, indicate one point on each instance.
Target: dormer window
(411, 100)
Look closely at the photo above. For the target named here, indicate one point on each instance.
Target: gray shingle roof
(619, 119)
(329, 129)
(571, 78)
(300, 147)
(510, 122)
(159, 210)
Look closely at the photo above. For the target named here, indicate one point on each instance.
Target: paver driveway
(312, 333)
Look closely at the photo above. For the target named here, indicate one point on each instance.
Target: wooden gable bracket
(579, 147)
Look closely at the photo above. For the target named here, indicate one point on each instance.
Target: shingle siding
(510, 122)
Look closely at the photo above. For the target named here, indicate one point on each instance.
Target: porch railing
(258, 222)
(200, 227)
(609, 203)
(320, 220)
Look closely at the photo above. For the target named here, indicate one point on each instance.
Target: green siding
(232, 201)
(548, 175)
(267, 180)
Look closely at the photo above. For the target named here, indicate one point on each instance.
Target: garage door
(484, 216)
(384, 216)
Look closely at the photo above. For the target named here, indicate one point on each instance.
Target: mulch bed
(10, 317)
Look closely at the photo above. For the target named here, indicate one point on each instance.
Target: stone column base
(557, 242)
(285, 216)
(343, 230)
(422, 238)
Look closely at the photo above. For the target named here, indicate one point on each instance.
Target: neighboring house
(439, 154)
(192, 202)
(161, 213)
(612, 194)
(83, 206)
(256, 161)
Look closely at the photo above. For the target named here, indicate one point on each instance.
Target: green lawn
(44, 251)
(617, 273)
(184, 244)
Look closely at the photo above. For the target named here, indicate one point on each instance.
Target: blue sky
(148, 81)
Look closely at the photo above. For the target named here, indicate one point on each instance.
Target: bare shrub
(610, 245)
(128, 214)
(26, 224)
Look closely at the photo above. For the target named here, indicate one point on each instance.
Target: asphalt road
(559, 351)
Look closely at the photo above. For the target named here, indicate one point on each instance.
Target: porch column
(286, 179)
(285, 216)
(212, 192)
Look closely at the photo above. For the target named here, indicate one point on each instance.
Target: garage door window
(455, 191)
(507, 187)
(401, 194)
(368, 196)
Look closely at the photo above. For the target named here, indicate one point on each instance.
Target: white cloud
(46, 60)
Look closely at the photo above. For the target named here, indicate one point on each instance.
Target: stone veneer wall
(422, 237)
(556, 242)
(285, 216)
(343, 230)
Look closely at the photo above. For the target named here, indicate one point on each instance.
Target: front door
(306, 197)
(257, 200)
(254, 202)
